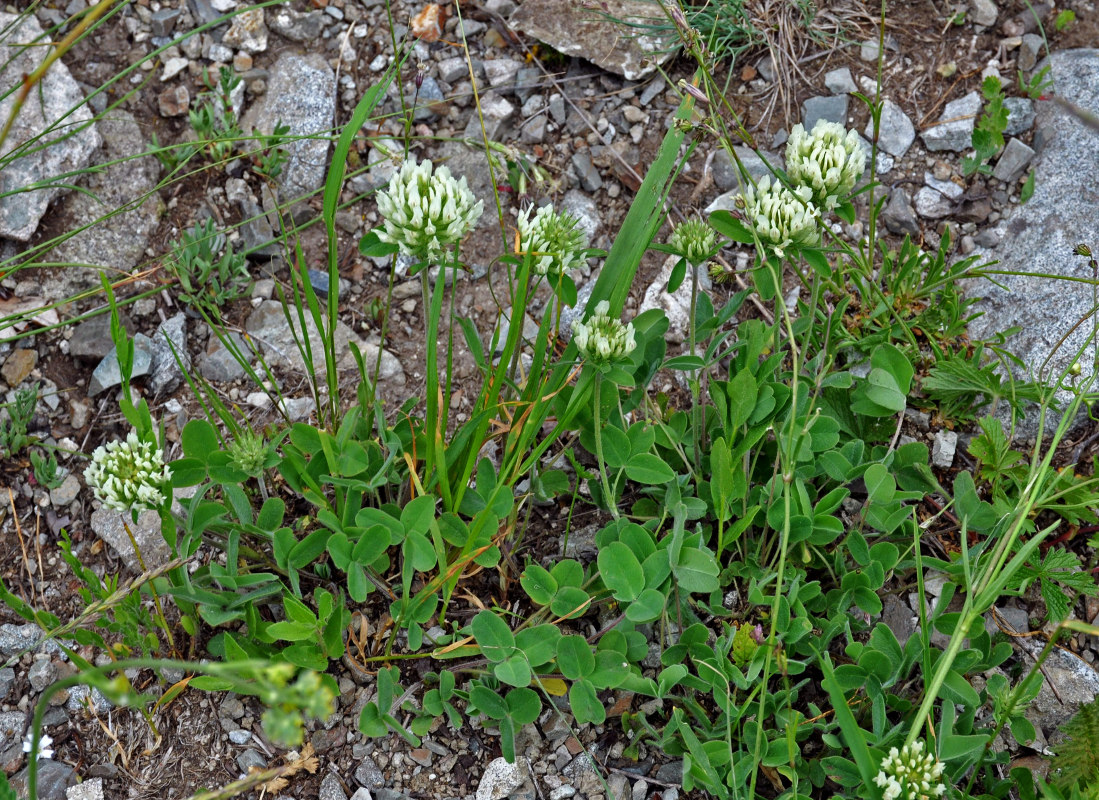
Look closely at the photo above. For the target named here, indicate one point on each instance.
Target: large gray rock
(301, 93)
(54, 126)
(268, 326)
(1042, 235)
(114, 243)
(593, 33)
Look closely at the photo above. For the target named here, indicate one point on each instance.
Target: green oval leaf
(539, 585)
(621, 571)
(570, 602)
(514, 670)
(199, 440)
(585, 703)
(574, 657)
(649, 469)
(493, 636)
(524, 705)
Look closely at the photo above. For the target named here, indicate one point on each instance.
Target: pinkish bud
(694, 91)
(757, 634)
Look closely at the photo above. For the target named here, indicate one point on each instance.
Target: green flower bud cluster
(555, 240)
(694, 239)
(602, 339)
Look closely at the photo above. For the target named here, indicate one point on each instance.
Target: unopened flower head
(128, 474)
(426, 211)
(781, 217)
(694, 239)
(602, 339)
(910, 774)
(555, 240)
(829, 160)
(44, 742)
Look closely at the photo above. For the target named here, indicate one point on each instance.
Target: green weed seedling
(208, 280)
(13, 426)
(988, 133)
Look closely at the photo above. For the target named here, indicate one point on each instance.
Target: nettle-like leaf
(1060, 566)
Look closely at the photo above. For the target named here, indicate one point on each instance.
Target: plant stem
(608, 497)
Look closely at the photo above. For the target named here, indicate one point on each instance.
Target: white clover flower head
(44, 742)
(555, 240)
(602, 339)
(781, 217)
(128, 474)
(829, 160)
(426, 210)
(694, 239)
(910, 774)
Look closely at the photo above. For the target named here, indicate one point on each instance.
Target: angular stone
(249, 759)
(931, 204)
(163, 21)
(725, 171)
(301, 93)
(110, 526)
(501, 74)
(269, 327)
(172, 67)
(174, 101)
(500, 779)
(453, 69)
(496, 111)
(428, 99)
(954, 130)
(331, 788)
(66, 492)
(58, 104)
(297, 26)
(92, 337)
(983, 12)
(369, 775)
(676, 306)
(1012, 161)
(248, 32)
(533, 131)
(831, 108)
(586, 171)
(109, 374)
(839, 81)
(573, 31)
(165, 373)
(90, 789)
(1020, 115)
(943, 449)
(897, 132)
(1029, 51)
(898, 214)
(116, 243)
(54, 778)
(18, 366)
(585, 210)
